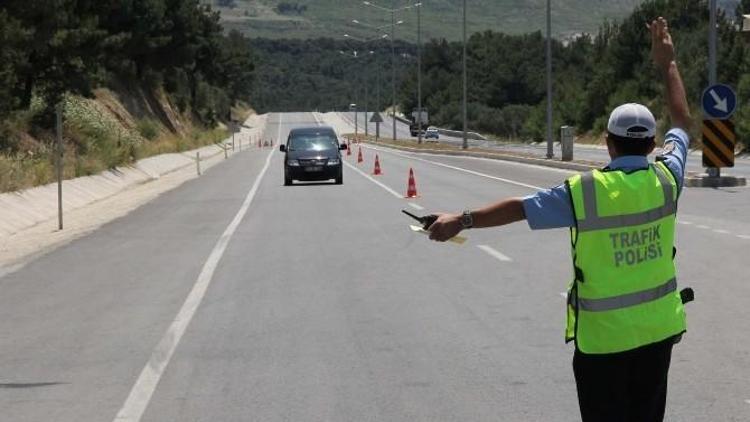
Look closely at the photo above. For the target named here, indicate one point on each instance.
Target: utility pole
(393, 67)
(465, 144)
(550, 151)
(59, 161)
(712, 171)
(419, 72)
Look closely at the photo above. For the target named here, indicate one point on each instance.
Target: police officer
(624, 310)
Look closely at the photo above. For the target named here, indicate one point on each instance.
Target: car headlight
(334, 161)
(293, 163)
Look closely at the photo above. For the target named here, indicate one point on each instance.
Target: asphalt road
(319, 304)
(582, 152)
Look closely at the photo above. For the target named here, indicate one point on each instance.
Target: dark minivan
(312, 153)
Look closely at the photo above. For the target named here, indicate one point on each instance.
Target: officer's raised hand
(662, 48)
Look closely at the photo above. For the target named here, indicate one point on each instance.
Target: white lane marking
(491, 160)
(140, 394)
(747, 401)
(564, 294)
(494, 253)
(701, 226)
(743, 236)
(721, 231)
(416, 206)
(476, 173)
(687, 223)
(391, 191)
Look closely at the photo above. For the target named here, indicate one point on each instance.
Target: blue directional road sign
(719, 101)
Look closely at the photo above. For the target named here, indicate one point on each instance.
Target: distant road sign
(376, 118)
(719, 101)
(718, 143)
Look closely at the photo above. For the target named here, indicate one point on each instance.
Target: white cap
(633, 121)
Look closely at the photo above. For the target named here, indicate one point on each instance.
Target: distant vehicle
(312, 153)
(432, 132)
(415, 121)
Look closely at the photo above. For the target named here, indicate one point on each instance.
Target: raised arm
(662, 53)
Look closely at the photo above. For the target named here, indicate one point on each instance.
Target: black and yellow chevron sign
(718, 143)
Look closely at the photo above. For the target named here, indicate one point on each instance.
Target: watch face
(466, 220)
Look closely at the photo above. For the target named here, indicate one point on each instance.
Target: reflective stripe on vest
(626, 300)
(594, 222)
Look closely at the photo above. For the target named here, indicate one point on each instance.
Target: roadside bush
(148, 128)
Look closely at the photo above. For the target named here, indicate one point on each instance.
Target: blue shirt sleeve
(549, 209)
(674, 154)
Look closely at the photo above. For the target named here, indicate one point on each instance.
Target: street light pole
(712, 171)
(465, 144)
(393, 70)
(419, 72)
(392, 11)
(550, 152)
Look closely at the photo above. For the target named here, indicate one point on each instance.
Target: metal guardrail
(448, 132)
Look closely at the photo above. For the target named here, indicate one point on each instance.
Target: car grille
(313, 162)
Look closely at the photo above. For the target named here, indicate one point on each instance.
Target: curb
(565, 165)
(705, 181)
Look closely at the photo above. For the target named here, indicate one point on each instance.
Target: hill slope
(440, 18)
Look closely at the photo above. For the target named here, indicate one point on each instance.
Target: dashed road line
(370, 178)
(721, 231)
(416, 206)
(743, 236)
(687, 223)
(495, 253)
(703, 227)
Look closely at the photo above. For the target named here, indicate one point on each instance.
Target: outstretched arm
(497, 214)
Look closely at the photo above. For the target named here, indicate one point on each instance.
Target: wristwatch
(467, 221)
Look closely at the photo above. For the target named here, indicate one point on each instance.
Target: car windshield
(313, 142)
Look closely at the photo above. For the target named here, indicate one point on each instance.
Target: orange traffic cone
(377, 171)
(359, 156)
(411, 190)
(348, 148)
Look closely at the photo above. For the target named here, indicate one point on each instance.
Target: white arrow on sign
(721, 103)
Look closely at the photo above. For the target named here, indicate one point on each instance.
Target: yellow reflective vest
(624, 294)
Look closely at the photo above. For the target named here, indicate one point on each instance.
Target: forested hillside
(296, 75)
(593, 74)
(152, 66)
(440, 18)
(507, 85)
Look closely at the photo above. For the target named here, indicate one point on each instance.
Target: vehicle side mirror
(342, 146)
(282, 148)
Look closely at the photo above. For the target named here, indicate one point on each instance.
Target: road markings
(494, 253)
(476, 173)
(743, 236)
(687, 223)
(721, 231)
(701, 226)
(416, 206)
(367, 176)
(564, 294)
(141, 393)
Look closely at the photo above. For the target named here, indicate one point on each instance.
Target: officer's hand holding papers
(427, 222)
(446, 227)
